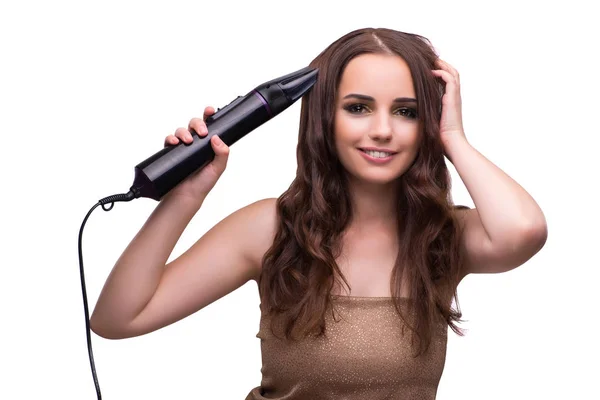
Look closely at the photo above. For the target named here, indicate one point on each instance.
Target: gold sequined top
(364, 356)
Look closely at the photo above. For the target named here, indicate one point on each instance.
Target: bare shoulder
(261, 220)
(250, 229)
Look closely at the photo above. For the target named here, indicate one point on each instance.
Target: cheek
(350, 130)
(408, 135)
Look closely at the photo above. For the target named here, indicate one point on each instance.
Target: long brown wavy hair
(299, 270)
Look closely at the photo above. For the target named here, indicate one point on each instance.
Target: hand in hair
(451, 124)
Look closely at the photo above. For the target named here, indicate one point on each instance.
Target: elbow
(535, 234)
(101, 330)
(522, 244)
(525, 242)
(527, 236)
(107, 330)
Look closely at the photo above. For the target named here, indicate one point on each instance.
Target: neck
(373, 205)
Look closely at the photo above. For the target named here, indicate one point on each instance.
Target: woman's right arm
(143, 293)
(137, 273)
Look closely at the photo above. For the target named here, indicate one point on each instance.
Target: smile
(377, 157)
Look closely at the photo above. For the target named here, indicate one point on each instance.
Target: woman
(365, 243)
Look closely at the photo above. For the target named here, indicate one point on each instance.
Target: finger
(221, 152)
(184, 135)
(199, 126)
(445, 75)
(171, 140)
(447, 67)
(452, 87)
(208, 111)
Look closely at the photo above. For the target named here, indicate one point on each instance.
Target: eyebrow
(369, 98)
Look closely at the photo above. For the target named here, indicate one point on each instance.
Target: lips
(376, 160)
(363, 149)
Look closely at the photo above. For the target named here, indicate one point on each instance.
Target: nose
(382, 128)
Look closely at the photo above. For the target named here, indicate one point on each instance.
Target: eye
(407, 112)
(355, 108)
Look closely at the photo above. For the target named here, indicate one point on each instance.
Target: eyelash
(413, 113)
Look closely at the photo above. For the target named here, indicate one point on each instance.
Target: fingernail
(218, 140)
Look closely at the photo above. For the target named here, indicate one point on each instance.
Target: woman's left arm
(506, 227)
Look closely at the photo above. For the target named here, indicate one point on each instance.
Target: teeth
(377, 154)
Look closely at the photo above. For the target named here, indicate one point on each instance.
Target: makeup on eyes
(352, 109)
(413, 114)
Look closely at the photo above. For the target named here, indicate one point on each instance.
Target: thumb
(221, 151)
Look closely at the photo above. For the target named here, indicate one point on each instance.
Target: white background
(90, 89)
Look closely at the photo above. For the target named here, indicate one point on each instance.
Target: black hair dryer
(157, 175)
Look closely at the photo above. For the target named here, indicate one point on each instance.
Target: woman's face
(376, 127)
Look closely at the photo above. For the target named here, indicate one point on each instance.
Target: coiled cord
(132, 194)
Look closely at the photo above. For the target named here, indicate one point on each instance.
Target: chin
(376, 179)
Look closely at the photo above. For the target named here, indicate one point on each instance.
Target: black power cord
(132, 194)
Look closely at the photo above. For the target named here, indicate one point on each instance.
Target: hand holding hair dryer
(157, 175)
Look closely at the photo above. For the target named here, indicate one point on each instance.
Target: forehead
(379, 75)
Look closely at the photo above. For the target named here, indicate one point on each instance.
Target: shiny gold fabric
(364, 356)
